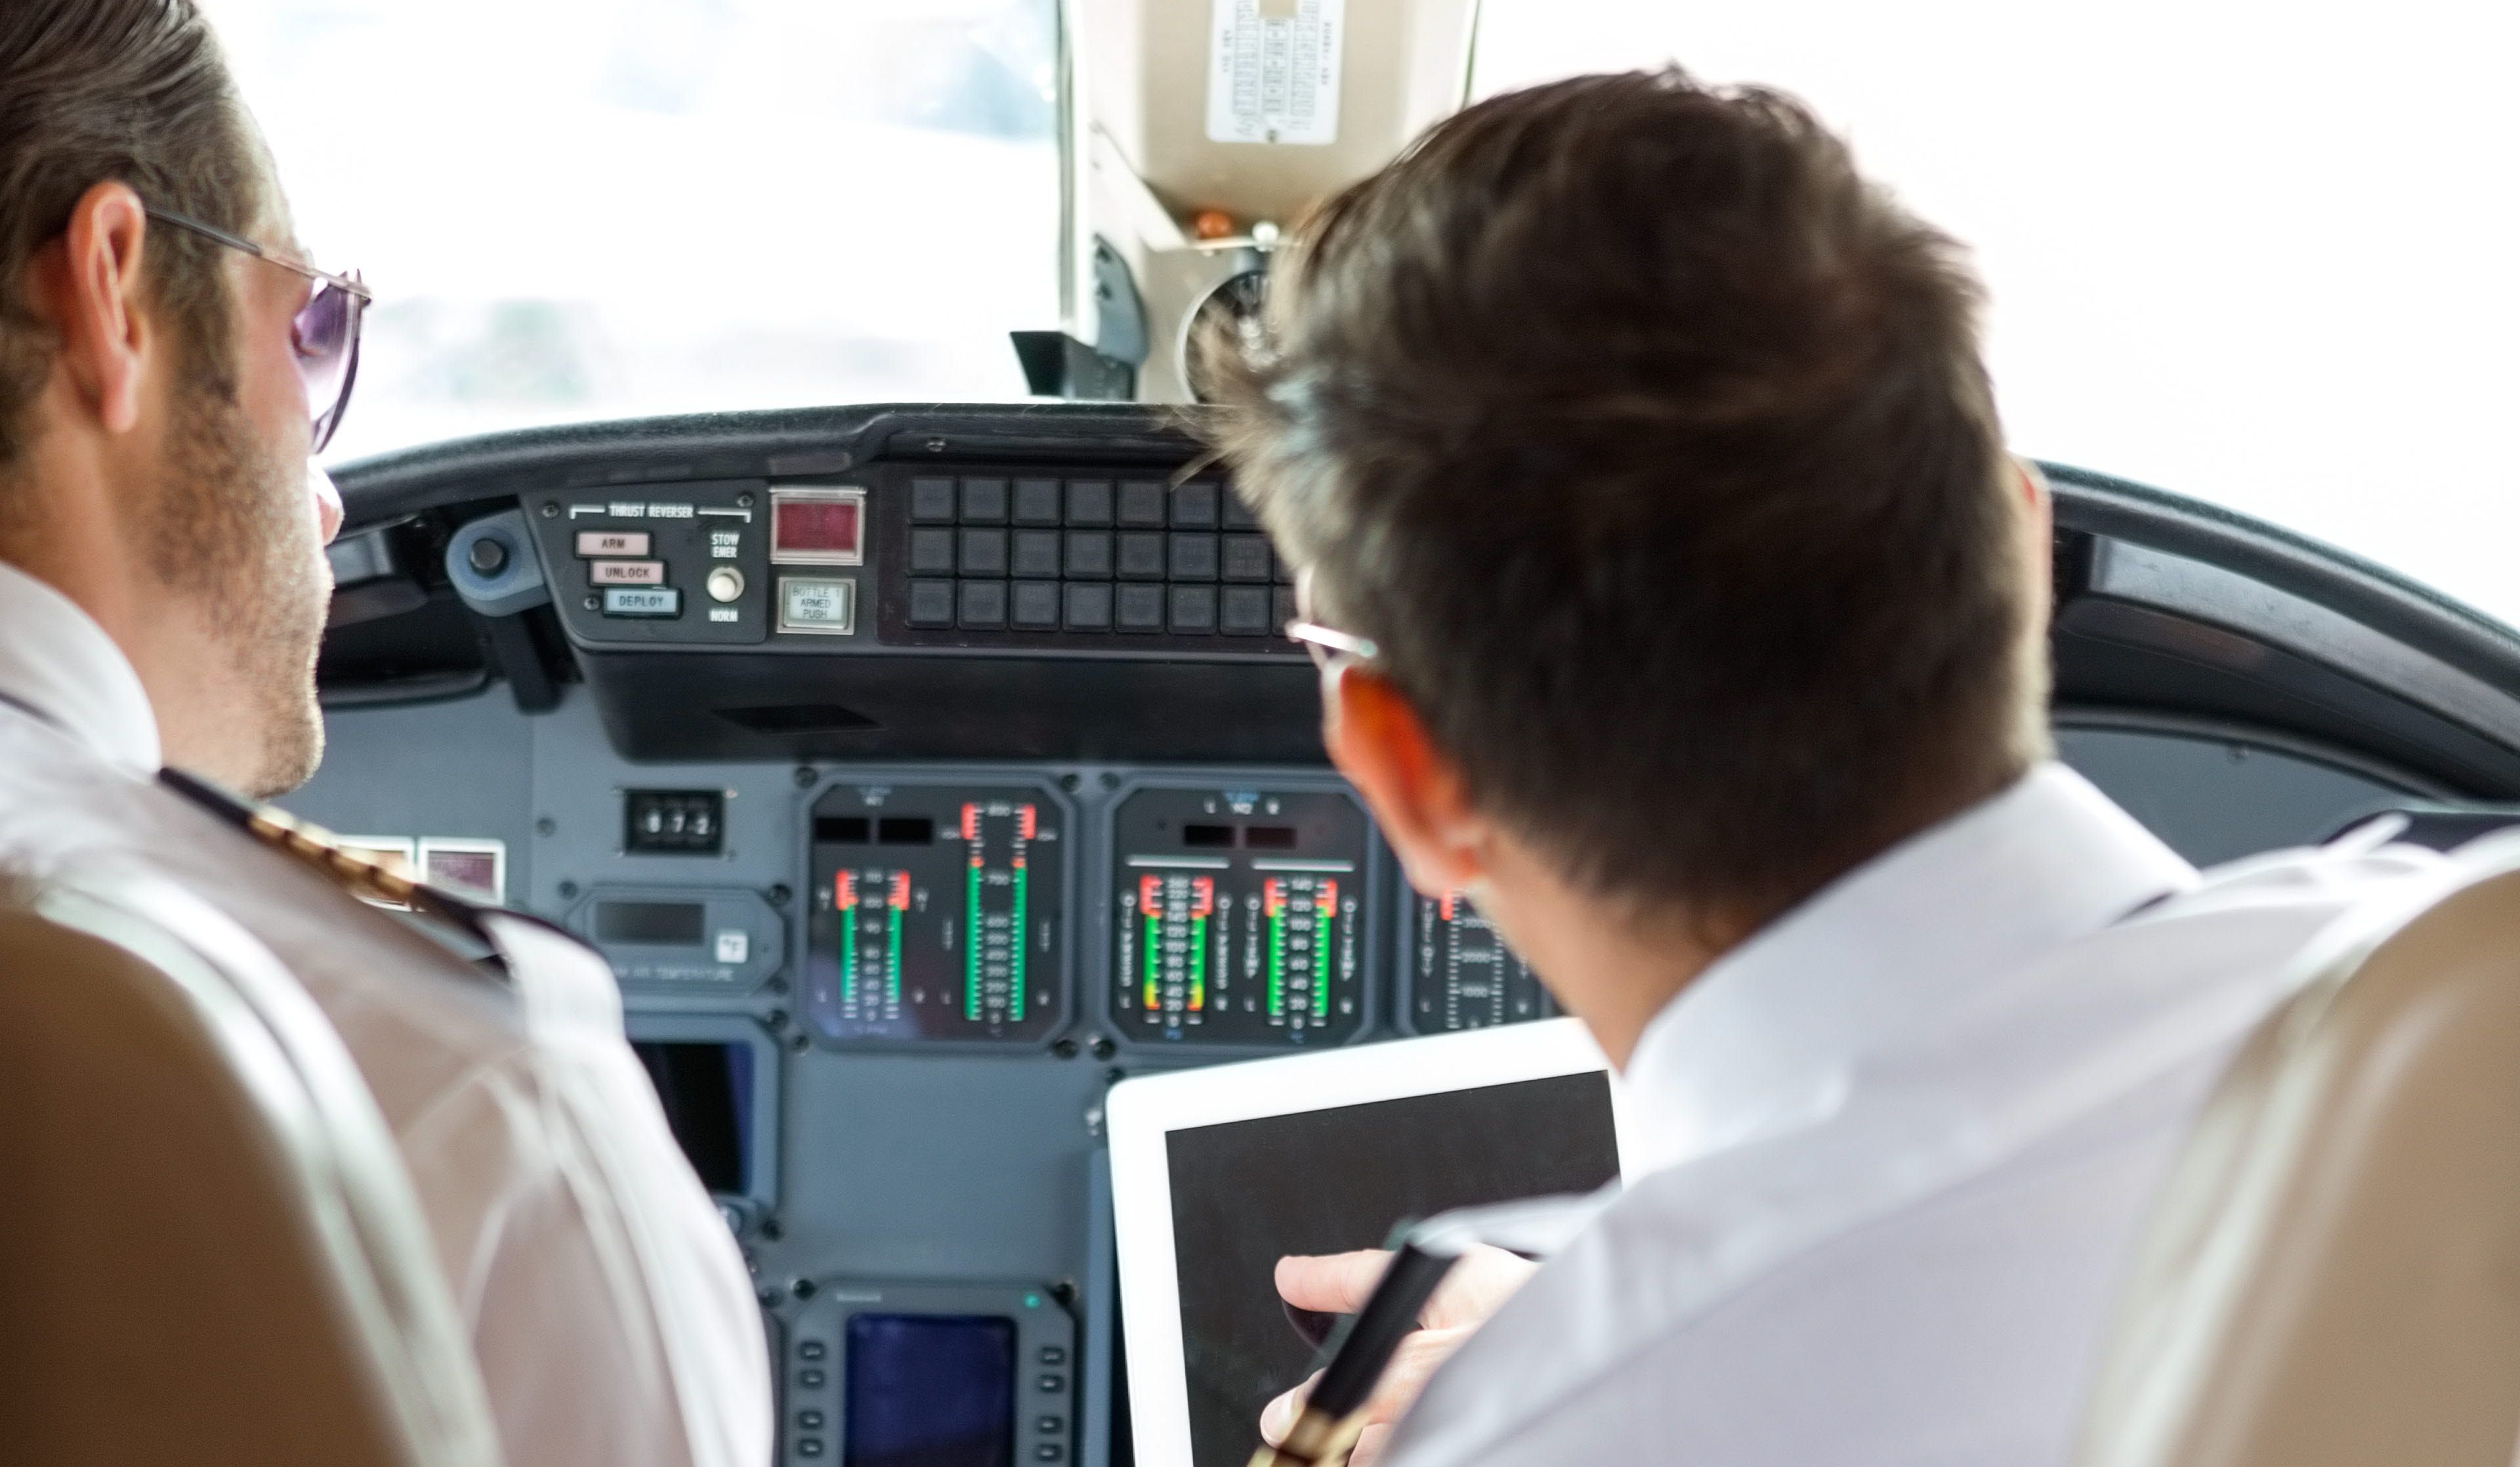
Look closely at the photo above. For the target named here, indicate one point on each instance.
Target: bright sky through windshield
(2261, 253)
(591, 208)
(2258, 254)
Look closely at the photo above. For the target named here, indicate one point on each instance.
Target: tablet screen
(1246, 1192)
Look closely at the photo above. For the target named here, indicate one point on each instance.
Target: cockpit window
(2262, 264)
(572, 210)
(2259, 256)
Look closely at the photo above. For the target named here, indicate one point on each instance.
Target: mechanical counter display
(1239, 917)
(935, 914)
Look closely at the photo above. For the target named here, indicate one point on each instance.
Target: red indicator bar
(1027, 820)
(1325, 898)
(1205, 887)
(1452, 904)
(1274, 896)
(901, 890)
(845, 890)
(970, 822)
(1151, 896)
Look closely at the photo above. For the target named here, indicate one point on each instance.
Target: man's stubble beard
(235, 541)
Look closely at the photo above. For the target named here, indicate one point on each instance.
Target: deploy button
(641, 601)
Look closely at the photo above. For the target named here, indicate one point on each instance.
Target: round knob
(725, 583)
(487, 556)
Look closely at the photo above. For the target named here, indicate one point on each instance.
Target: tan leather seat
(210, 1252)
(2332, 1274)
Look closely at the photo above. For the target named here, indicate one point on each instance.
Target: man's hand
(1338, 1284)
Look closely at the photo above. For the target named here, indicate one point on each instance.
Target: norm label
(1273, 71)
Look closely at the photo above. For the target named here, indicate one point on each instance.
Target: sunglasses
(325, 333)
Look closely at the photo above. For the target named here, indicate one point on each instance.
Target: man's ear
(2038, 533)
(88, 285)
(1417, 794)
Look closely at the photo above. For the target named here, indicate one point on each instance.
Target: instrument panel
(923, 771)
(1229, 911)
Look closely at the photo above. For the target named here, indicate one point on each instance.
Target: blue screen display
(930, 1391)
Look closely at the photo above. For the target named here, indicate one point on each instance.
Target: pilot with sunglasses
(169, 361)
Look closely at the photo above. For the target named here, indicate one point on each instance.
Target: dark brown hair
(127, 90)
(1652, 445)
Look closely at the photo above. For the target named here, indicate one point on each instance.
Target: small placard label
(1273, 71)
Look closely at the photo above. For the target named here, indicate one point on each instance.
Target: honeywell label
(1273, 71)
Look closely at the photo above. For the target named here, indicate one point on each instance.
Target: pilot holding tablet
(1676, 598)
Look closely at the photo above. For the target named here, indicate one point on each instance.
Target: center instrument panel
(924, 771)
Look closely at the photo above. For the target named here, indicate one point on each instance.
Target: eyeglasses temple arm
(240, 242)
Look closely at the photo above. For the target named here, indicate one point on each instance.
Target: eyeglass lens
(326, 335)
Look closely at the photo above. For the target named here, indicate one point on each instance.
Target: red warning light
(818, 526)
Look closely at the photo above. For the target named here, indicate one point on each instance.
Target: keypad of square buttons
(1090, 555)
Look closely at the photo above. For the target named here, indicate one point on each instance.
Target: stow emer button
(592, 544)
(641, 601)
(725, 583)
(629, 573)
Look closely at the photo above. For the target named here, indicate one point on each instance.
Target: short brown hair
(134, 91)
(1652, 445)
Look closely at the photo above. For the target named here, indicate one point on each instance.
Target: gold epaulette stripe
(319, 846)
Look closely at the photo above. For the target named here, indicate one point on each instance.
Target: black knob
(487, 557)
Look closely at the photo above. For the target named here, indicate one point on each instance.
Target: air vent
(792, 718)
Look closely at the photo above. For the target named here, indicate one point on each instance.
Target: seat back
(210, 1250)
(2332, 1272)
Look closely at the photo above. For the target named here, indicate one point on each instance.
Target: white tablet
(1216, 1174)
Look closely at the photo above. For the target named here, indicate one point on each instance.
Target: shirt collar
(58, 662)
(1772, 1033)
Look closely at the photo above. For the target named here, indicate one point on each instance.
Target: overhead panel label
(1273, 71)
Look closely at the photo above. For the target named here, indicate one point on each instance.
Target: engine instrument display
(935, 914)
(1462, 975)
(1239, 917)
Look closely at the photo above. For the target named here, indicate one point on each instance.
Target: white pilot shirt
(610, 1306)
(1896, 1154)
